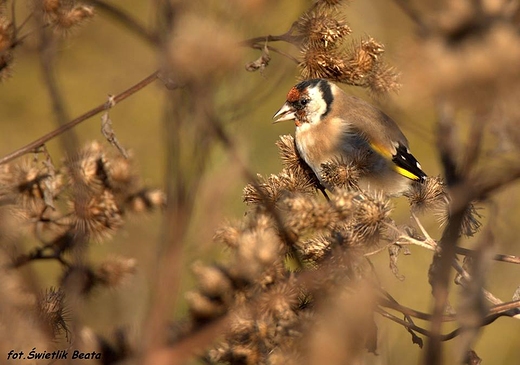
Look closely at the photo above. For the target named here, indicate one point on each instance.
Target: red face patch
(293, 95)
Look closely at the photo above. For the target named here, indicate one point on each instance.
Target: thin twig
(31, 147)
(497, 257)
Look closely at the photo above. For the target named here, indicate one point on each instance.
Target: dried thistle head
(22, 180)
(322, 28)
(315, 249)
(331, 3)
(213, 282)
(121, 177)
(30, 187)
(372, 211)
(65, 15)
(6, 40)
(470, 221)
(302, 214)
(257, 256)
(279, 302)
(292, 161)
(51, 6)
(115, 271)
(428, 195)
(359, 65)
(345, 173)
(89, 167)
(321, 63)
(228, 234)
(202, 307)
(52, 310)
(145, 200)
(97, 216)
(270, 190)
(384, 79)
(74, 17)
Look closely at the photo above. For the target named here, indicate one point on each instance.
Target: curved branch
(31, 147)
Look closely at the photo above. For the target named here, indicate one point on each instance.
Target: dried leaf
(394, 251)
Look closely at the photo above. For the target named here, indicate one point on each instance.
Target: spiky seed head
(66, 19)
(228, 234)
(371, 213)
(322, 27)
(116, 271)
(315, 249)
(202, 307)
(212, 281)
(428, 195)
(279, 302)
(51, 308)
(98, 216)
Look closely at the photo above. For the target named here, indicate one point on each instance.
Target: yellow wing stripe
(382, 151)
(387, 154)
(405, 173)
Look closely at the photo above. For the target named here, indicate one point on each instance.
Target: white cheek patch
(316, 107)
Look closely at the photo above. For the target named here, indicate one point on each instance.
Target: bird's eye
(304, 102)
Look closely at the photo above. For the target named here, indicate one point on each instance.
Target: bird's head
(307, 102)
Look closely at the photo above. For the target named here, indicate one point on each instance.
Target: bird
(332, 125)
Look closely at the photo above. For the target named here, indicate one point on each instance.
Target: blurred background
(102, 58)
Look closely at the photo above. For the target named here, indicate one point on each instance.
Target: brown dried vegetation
(297, 284)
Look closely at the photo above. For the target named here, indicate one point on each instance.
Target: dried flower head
(89, 167)
(30, 187)
(51, 6)
(203, 308)
(322, 27)
(314, 249)
(292, 161)
(302, 213)
(428, 195)
(257, 253)
(320, 63)
(145, 200)
(213, 282)
(345, 173)
(384, 79)
(116, 271)
(6, 40)
(371, 214)
(97, 216)
(470, 221)
(361, 64)
(270, 190)
(52, 310)
(229, 234)
(64, 19)
(279, 302)
(331, 3)
(305, 213)
(120, 173)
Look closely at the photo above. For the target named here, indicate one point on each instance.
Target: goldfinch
(332, 126)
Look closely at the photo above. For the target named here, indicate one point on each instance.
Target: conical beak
(286, 112)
